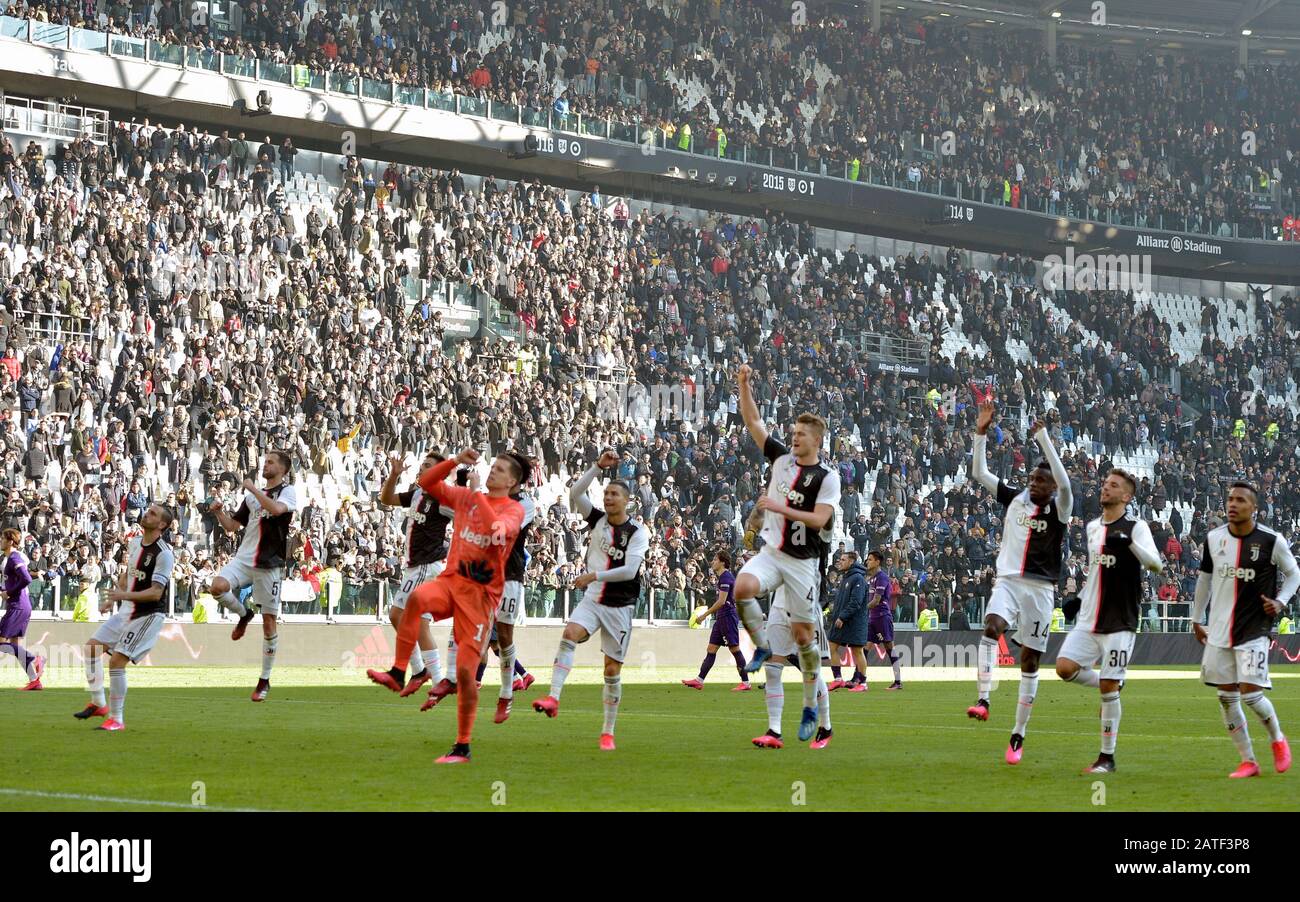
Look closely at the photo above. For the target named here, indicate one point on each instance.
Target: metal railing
(43, 117)
(903, 175)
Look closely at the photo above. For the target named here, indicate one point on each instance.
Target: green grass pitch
(326, 741)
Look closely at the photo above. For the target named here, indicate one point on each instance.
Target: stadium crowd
(1159, 141)
(161, 311)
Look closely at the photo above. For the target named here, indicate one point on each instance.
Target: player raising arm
(265, 516)
(1241, 563)
(469, 588)
(798, 508)
(425, 558)
(1029, 566)
(617, 546)
(1119, 546)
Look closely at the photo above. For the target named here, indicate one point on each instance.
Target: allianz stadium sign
(1180, 245)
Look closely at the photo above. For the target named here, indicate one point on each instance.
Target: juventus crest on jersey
(611, 547)
(426, 527)
(265, 545)
(1243, 571)
(1033, 536)
(802, 488)
(147, 564)
(1117, 552)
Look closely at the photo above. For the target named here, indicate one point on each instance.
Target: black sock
(707, 665)
(837, 672)
(740, 665)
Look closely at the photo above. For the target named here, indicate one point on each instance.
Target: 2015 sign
(774, 182)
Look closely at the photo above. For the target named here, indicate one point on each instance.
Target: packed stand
(171, 316)
(1155, 142)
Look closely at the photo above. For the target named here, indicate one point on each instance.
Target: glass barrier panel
(277, 72)
(69, 591)
(376, 90)
(202, 58)
(11, 27)
(442, 100)
(472, 106)
(782, 158)
(85, 39)
(621, 131)
(543, 601)
(596, 127)
(41, 593)
(239, 66)
(536, 117)
(345, 84)
(410, 96)
(49, 33)
(170, 54)
(505, 112)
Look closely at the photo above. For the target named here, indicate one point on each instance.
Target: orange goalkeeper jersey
(483, 529)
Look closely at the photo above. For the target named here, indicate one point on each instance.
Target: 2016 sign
(565, 147)
(774, 182)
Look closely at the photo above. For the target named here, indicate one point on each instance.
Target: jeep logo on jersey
(139, 574)
(795, 498)
(1105, 560)
(480, 540)
(1227, 571)
(1031, 523)
(416, 516)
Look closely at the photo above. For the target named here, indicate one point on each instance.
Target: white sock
(898, 668)
(563, 664)
(988, 659)
(810, 665)
(823, 703)
(268, 655)
(1028, 689)
(31, 664)
(95, 676)
(1110, 711)
(416, 661)
(1263, 709)
(507, 657)
(451, 661)
(775, 693)
(610, 696)
(116, 693)
(230, 602)
(1086, 676)
(1235, 720)
(433, 661)
(751, 615)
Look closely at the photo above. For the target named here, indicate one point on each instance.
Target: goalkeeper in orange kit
(469, 589)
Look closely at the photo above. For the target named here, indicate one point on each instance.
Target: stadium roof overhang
(1174, 25)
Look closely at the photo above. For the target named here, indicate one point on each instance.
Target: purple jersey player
(726, 629)
(18, 609)
(880, 617)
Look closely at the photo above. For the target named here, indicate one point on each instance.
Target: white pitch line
(80, 797)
